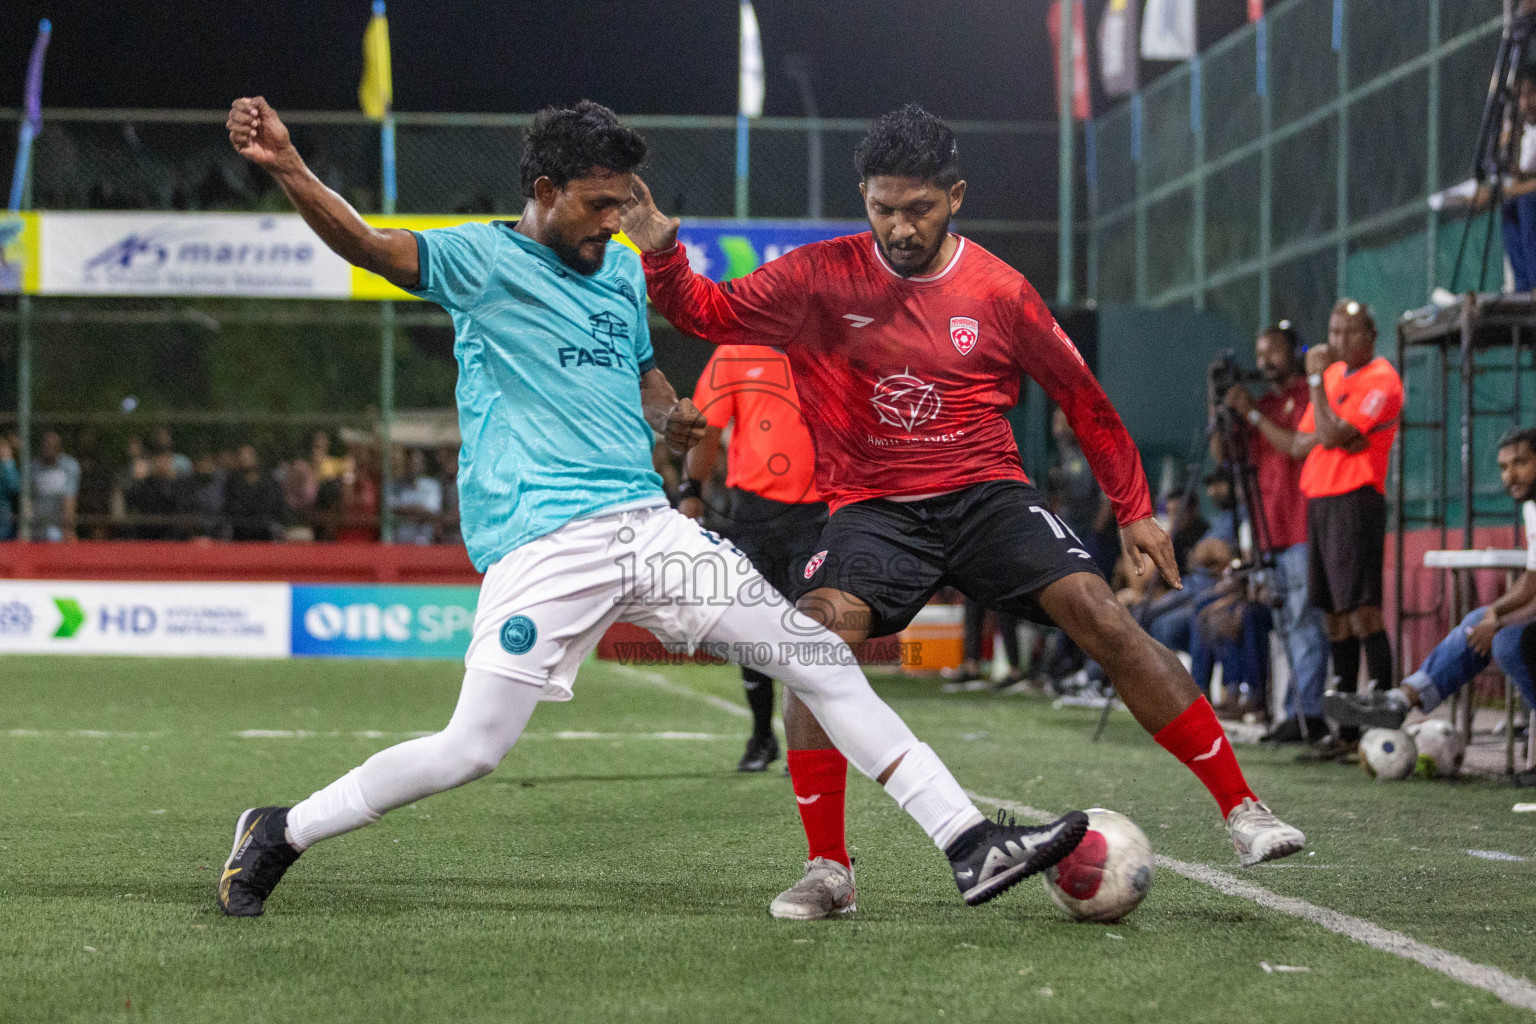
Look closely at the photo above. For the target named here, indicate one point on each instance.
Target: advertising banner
(726, 249)
(251, 255)
(238, 620)
(382, 621)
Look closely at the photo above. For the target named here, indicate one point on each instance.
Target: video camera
(1225, 372)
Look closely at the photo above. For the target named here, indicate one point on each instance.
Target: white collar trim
(954, 261)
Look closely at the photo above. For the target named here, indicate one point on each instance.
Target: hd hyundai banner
(236, 620)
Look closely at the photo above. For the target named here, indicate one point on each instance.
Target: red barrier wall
(273, 563)
(1427, 590)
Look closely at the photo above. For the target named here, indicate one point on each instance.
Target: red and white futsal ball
(1109, 873)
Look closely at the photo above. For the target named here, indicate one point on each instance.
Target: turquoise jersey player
(550, 364)
(558, 395)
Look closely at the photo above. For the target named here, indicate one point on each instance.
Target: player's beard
(928, 256)
(571, 255)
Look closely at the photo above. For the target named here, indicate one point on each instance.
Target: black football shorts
(996, 543)
(1346, 546)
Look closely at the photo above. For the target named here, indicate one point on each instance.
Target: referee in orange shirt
(776, 515)
(1346, 434)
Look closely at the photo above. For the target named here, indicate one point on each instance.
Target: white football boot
(825, 891)
(1259, 835)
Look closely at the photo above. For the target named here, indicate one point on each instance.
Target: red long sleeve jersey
(905, 381)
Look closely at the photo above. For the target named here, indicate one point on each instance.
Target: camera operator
(1268, 428)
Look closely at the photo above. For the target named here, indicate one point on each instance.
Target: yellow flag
(375, 93)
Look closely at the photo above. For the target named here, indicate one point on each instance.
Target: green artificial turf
(626, 877)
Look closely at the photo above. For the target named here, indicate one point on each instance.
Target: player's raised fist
(646, 226)
(684, 427)
(257, 133)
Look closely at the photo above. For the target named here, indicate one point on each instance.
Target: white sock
(925, 789)
(337, 808)
(487, 721)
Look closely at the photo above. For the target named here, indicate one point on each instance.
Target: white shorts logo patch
(814, 563)
(964, 332)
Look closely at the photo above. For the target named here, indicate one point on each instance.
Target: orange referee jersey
(1370, 400)
(770, 453)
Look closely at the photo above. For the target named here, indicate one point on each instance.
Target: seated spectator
(161, 443)
(1502, 632)
(204, 496)
(326, 466)
(93, 504)
(448, 474)
(55, 486)
(1186, 527)
(10, 489)
(1233, 628)
(417, 499)
(970, 675)
(360, 495)
(253, 502)
(156, 502)
(1223, 497)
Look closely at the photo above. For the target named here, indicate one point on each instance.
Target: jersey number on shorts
(1061, 530)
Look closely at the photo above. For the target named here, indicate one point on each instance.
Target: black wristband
(690, 488)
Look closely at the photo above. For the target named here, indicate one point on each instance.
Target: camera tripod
(1497, 149)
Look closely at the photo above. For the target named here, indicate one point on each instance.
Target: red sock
(819, 778)
(1199, 741)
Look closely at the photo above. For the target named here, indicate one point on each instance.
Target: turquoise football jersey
(549, 382)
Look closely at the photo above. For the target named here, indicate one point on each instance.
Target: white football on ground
(1388, 753)
(1108, 874)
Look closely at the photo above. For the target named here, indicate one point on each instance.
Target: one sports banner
(1168, 30)
(1082, 108)
(382, 621)
(1118, 41)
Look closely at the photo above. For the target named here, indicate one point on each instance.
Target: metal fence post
(1065, 173)
(1197, 129)
(1341, 252)
(1266, 175)
(1432, 163)
(387, 352)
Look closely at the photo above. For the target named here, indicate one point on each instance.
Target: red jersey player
(907, 345)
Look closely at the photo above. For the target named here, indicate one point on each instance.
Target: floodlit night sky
(975, 59)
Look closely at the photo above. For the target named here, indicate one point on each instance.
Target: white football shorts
(544, 607)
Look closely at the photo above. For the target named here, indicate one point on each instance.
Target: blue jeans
(1518, 218)
(1452, 664)
(1306, 639)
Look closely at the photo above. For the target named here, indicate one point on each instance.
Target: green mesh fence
(1316, 188)
(1276, 204)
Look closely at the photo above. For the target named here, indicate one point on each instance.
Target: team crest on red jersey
(964, 332)
(902, 400)
(814, 563)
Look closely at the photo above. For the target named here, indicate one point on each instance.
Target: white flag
(749, 88)
(1168, 30)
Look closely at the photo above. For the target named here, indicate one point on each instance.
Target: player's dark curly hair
(1518, 435)
(909, 143)
(567, 142)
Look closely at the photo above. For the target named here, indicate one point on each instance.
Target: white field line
(661, 682)
(365, 734)
(1512, 990)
